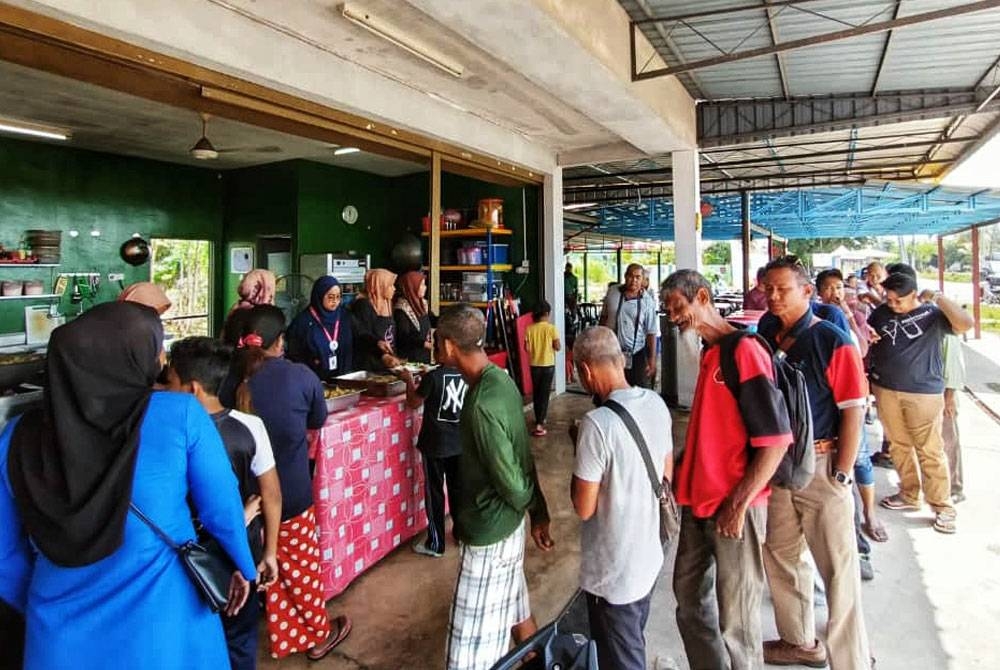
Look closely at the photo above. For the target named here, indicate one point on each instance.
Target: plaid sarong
(490, 597)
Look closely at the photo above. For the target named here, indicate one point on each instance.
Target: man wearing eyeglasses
(821, 515)
(631, 313)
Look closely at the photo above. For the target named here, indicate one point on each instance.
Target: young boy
(197, 366)
(541, 339)
(442, 392)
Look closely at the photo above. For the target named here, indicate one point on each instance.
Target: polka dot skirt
(296, 611)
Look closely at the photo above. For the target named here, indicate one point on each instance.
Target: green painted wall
(61, 188)
(258, 201)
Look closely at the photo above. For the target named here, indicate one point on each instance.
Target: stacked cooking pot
(44, 244)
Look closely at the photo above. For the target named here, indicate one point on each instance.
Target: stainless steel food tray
(372, 383)
(342, 402)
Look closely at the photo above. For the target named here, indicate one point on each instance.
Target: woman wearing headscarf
(256, 288)
(288, 398)
(104, 588)
(374, 327)
(413, 321)
(148, 294)
(321, 336)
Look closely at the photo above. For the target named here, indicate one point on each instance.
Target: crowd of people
(133, 451)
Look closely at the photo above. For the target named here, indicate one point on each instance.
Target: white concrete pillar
(552, 263)
(687, 241)
(687, 205)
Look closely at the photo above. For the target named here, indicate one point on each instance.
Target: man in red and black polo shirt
(821, 515)
(722, 487)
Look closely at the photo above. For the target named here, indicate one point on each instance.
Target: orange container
(490, 213)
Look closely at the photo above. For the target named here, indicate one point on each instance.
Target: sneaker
(898, 502)
(867, 571)
(957, 497)
(779, 652)
(422, 549)
(944, 522)
(881, 460)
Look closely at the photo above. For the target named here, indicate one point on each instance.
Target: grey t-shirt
(621, 554)
(621, 314)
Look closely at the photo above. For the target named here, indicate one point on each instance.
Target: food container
(33, 287)
(490, 213)
(338, 399)
(9, 288)
(501, 252)
(372, 383)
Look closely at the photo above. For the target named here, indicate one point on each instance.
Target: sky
(980, 170)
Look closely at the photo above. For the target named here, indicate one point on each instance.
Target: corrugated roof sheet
(950, 52)
(871, 210)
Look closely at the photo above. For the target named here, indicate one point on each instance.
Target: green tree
(718, 253)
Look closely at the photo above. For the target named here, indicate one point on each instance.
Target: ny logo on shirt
(452, 397)
(907, 325)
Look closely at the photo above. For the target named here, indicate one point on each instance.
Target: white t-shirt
(263, 458)
(621, 554)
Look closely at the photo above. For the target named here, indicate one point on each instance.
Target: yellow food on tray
(330, 392)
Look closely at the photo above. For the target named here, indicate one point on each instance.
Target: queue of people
(109, 459)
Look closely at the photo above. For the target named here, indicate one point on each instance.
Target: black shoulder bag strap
(633, 428)
(156, 529)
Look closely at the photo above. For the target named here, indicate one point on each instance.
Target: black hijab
(71, 462)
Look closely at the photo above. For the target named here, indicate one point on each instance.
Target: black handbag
(206, 563)
(670, 521)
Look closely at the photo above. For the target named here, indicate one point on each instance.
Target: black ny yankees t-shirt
(907, 356)
(443, 391)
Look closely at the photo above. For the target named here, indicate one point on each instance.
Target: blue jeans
(618, 632)
(864, 474)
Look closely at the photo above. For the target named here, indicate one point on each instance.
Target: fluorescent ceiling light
(346, 150)
(579, 205)
(364, 18)
(33, 130)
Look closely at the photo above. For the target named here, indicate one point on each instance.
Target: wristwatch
(843, 478)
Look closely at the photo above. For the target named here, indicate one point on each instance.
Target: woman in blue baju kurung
(134, 607)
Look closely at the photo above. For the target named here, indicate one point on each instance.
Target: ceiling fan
(204, 150)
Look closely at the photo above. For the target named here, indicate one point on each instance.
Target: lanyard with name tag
(331, 360)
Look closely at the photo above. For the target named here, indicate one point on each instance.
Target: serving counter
(368, 487)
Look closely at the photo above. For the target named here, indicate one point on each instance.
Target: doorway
(183, 269)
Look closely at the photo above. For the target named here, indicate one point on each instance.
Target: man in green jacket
(498, 485)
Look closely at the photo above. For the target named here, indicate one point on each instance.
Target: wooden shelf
(44, 296)
(448, 303)
(472, 232)
(497, 267)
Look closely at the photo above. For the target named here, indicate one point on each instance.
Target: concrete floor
(934, 604)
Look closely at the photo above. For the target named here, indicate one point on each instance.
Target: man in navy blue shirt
(820, 516)
(907, 376)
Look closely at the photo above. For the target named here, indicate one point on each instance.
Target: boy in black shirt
(197, 366)
(442, 392)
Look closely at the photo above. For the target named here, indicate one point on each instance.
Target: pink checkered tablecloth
(368, 487)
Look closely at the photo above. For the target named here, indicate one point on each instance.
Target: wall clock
(349, 215)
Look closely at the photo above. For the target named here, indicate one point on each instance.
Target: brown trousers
(912, 422)
(819, 517)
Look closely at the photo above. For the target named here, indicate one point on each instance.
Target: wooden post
(770, 246)
(618, 262)
(585, 257)
(435, 238)
(975, 281)
(940, 263)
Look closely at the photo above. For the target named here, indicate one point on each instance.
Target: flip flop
(876, 533)
(343, 630)
(539, 432)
